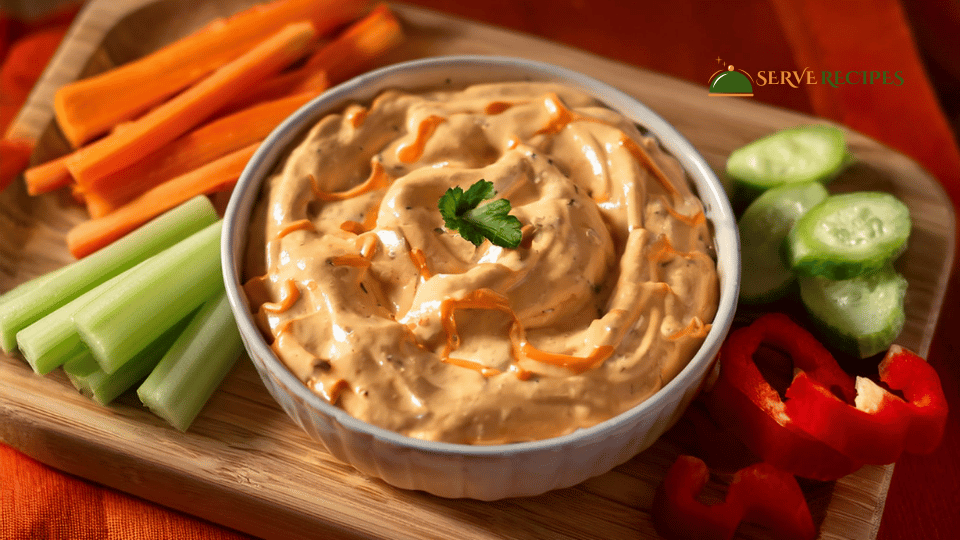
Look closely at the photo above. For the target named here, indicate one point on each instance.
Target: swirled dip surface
(369, 300)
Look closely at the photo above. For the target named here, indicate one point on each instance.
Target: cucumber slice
(763, 226)
(814, 153)
(863, 315)
(848, 235)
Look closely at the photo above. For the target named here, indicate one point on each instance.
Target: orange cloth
(24, 51)
(40, 503)
(682, 38)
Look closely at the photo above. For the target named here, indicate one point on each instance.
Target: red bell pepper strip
(759, 493)
(873, 431)
(881, 425)
(677, 514)
(744, 403)
(919, 383)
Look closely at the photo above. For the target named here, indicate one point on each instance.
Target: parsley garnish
(492, 221)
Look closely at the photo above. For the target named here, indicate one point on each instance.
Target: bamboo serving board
(245, 464)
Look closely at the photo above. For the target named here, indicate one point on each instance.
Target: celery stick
(136, 310)
(195, 365)
(80, 276)
(80, 370)
(87, 377)
(28, 286)
(49, 342)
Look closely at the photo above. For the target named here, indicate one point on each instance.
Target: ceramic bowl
(458, 470)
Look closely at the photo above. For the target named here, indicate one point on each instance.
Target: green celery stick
(136, 310)
(50, 341)
(80, 276)
(81, 370)
(28, 286)
(195, 365)
(87, 377)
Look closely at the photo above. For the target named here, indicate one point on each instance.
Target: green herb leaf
(462, 212)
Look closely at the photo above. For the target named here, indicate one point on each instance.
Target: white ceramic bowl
(457, 470)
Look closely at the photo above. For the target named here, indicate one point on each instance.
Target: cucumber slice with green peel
(763, 226)
(813, 153)
(863, 315)
(848, 235)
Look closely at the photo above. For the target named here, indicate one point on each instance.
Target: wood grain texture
(245, 464)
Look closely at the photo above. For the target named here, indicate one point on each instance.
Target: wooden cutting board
(245, 464)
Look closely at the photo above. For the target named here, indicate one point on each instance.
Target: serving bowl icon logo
(731, 83)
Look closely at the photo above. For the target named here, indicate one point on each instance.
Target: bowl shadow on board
(527, 518)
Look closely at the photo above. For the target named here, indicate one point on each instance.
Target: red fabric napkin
(25, 48)
(38, 502)
(686, 39)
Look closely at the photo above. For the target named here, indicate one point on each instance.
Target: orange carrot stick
(47, 176)
(183, 154)
(279, 86)
(191, 107)
(357, 47)
(204, 144)
(91, 235)
(351, 52)
(90, 107)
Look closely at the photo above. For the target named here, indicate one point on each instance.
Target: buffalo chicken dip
(370, 298)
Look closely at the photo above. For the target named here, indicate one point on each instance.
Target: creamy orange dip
(375, 306)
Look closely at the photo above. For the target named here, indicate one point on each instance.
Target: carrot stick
(47, 176)
(162, 164)
(191, 107)
(282, 85)
(357, 47)
(90, 107)
(204, 144)
(218, 175)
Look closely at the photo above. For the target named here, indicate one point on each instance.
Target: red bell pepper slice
(759, 493)
(744, 403)
(873, 431)
(904, 370)
(677, 514)
(881, 425)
